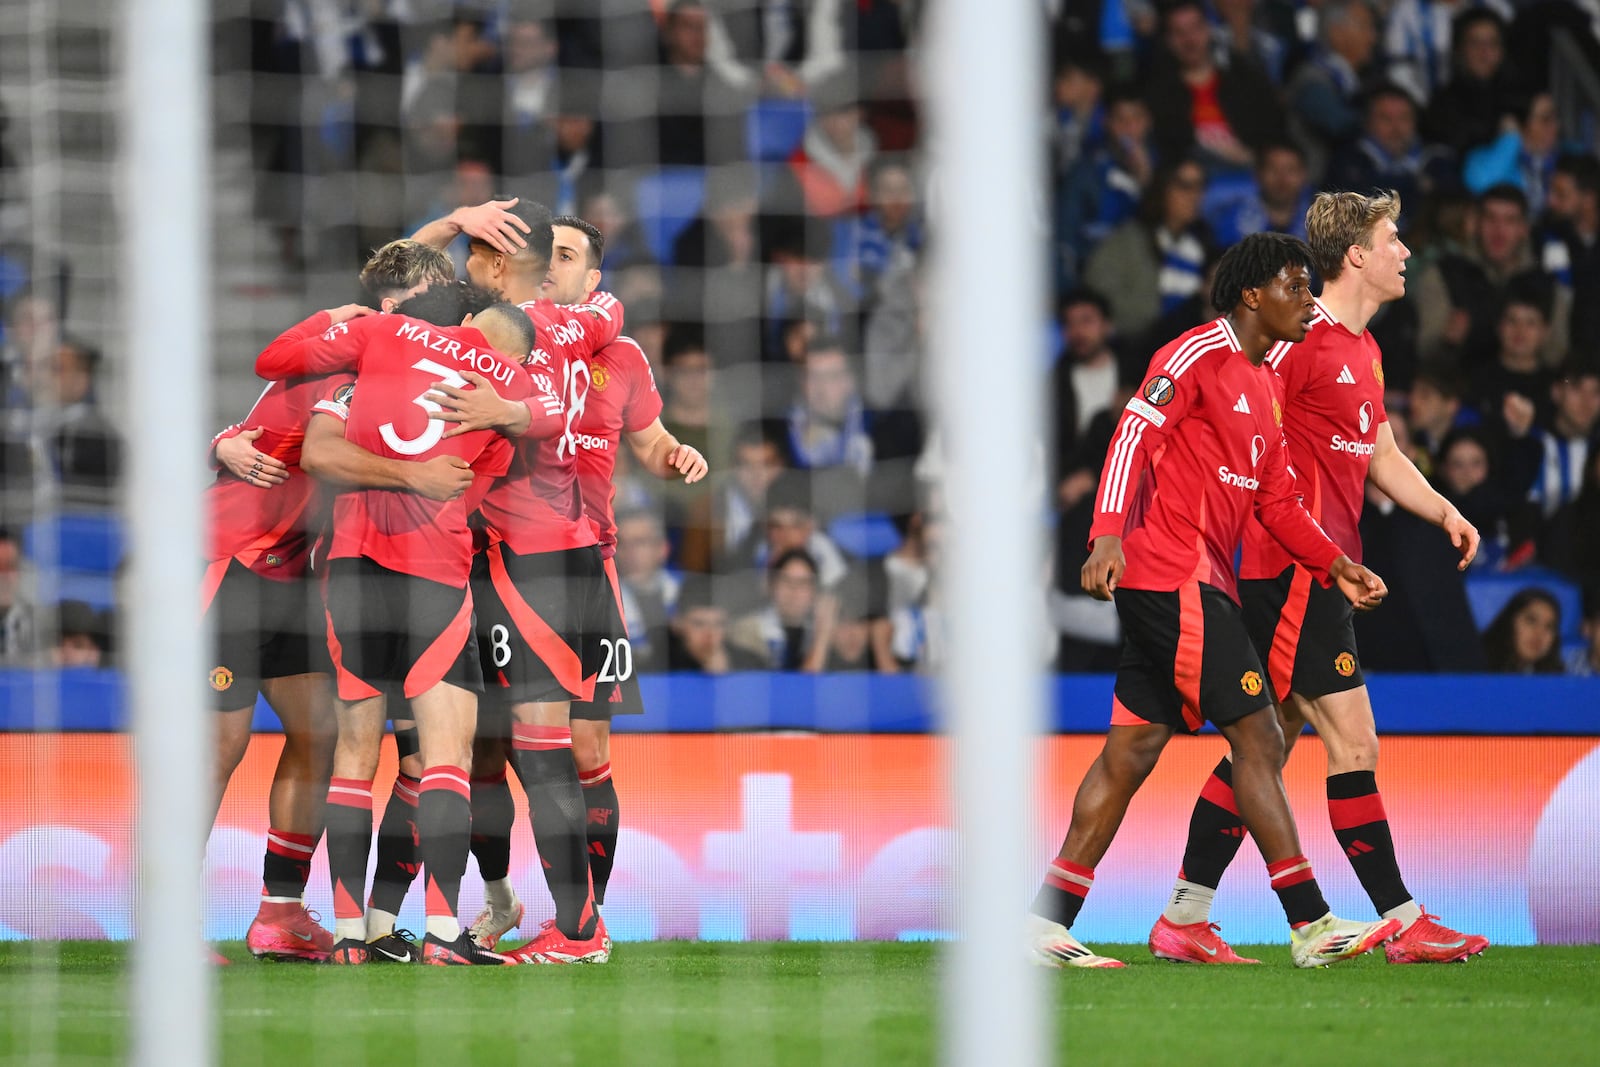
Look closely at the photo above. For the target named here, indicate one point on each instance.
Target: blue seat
(865, 535)
(775, 128)
(99, 591)
(84, 541)
(1488, 593)
(666, 202)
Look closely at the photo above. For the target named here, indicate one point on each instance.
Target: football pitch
(780, 1004)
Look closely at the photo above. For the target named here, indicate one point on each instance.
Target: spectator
(1524, 155)
(1467, 112)
(889, 230)
(1584, 660)
(1516, 370)
(1524, 637)
(1428, 43)
(830, 164)
(1555, 454)
(32, 334)
(687, 389)
(1277, 201)
(792, 630)
(698, 638)
(1151, 264)
(1570, 243)
(1468, 479)
(1474, 285)
(778, 49)
(790, 525)
(17, 634)
(83, 446)
(828, 422)
(1570, 541)
(911, 571)
(82, 637)
(1084, 381)
(718, 279)
(625, 243)
(1325, 93)
(1237, 33)
(698, 117)
(725, 234)
(894, 337)
(1080, 114)
(1104, 189)
(1389, 154)
(861, 629)
(516, 138)
(729, 514)
(799, 283)
(649, 591)
(1222, 113)
(1433, 412)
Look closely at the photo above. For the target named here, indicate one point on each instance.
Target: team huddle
(440, 455)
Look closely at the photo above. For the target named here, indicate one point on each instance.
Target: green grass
(757, 1005)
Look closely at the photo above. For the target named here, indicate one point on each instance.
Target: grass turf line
(781, 1004)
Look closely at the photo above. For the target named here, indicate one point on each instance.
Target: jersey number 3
(430, 436)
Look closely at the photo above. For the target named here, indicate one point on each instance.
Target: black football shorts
(1304, 632)
(545, 622)
(616, 688)
(1186, 658)
(264, 628)
(388, 630)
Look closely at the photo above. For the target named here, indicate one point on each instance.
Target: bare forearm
(340, 462)
(439, 233)
(655, 459)
(1398, 478)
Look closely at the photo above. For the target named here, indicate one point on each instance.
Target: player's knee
(1131, 762)
(591, 744)
(1258, 738)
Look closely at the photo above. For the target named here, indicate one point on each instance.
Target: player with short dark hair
(400, 608)
(544, 608)
(1338, 438)
(1197, 450)
(268, 616)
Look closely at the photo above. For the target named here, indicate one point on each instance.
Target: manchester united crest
(1345, 664)
(221, 678)
(1277, 413)
(1377, 371)
(599, 377)
(1250, 683)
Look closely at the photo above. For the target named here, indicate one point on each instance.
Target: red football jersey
(622, 399)
(271, 531)
(1196, 451)
(397, 360)
(1332, 407)
(537, 506)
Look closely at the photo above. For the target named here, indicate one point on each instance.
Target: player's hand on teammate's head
(1103, 569)
(1463, 535)
(346, 312)
(493, 224)
(687, 461)
(238, 455)
(1361, 586)
(441, 478)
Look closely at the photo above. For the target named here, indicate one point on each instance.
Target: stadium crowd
(758, 170)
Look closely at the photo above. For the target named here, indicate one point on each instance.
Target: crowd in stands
(759, 171)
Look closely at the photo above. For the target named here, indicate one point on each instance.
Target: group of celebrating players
(466, 433)
(463, 435)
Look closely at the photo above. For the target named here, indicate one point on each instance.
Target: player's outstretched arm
(320, 344)
(329, 456)
(489, 222)
(663, 455)
(1393, 472)
(1362, 587)
(237, 455)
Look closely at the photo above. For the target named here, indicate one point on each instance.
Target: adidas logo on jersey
(1345, 377)
(1242, 407)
